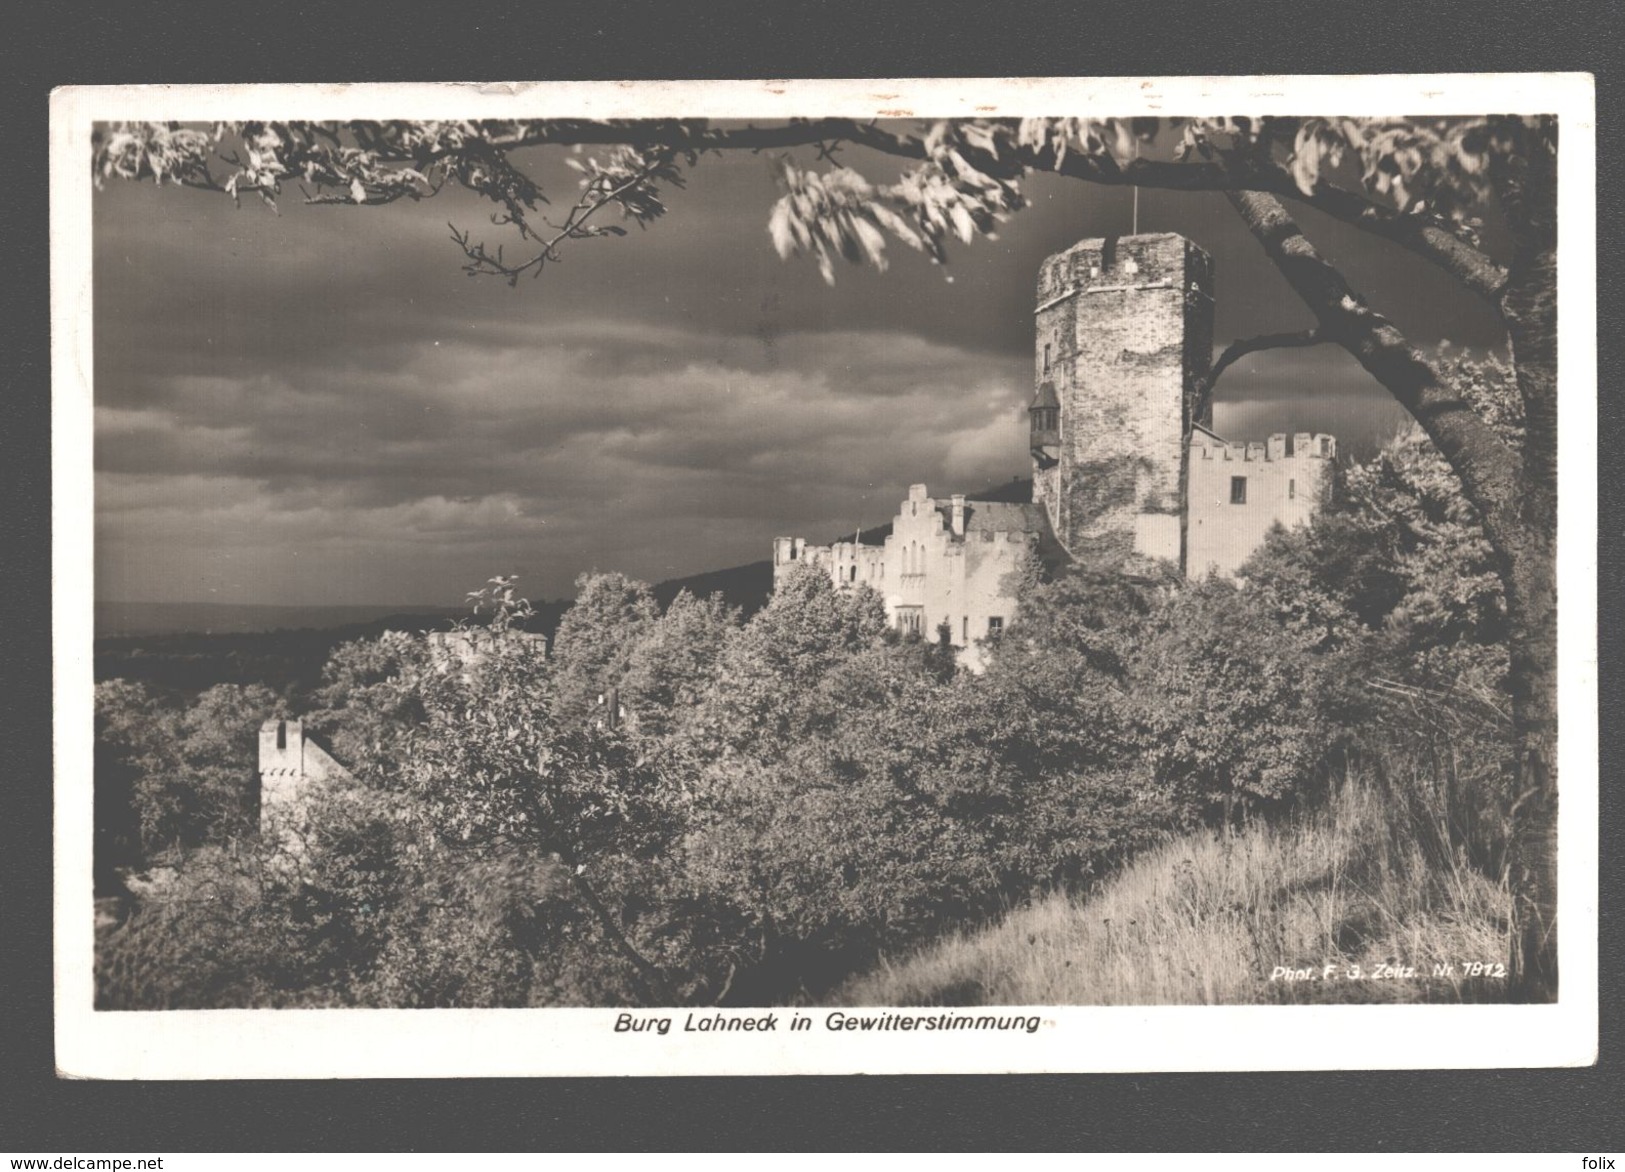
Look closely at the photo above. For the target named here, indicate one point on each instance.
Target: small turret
(1044, 419)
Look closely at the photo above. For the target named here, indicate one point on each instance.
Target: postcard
(791, 577)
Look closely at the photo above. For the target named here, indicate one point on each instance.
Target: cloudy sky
(318, 407)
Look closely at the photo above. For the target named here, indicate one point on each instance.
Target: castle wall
(290, 765)
(946, 562)
(1124, 469)
(464, 649)
(1275, 486)
(1123, 330)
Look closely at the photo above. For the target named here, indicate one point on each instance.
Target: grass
(1369, 878)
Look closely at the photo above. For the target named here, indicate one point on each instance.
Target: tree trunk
(1532, 833)
(1529, 307)
(1516, 497)
(655, 991)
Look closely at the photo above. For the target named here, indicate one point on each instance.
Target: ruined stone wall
(1285, 481)
(465, 648)
(1124, 332)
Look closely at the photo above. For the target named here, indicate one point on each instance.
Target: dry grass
(1206, 919)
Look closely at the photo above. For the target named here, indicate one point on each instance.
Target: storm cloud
(319, 407)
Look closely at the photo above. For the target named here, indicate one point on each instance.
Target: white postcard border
(458, 1043)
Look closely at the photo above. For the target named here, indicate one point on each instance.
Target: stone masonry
(946, 564)
(1123, 335)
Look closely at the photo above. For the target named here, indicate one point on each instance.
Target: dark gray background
(1572, 1110)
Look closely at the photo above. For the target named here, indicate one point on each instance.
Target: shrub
(1228, 701)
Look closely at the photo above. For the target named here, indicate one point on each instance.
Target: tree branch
(1242, 347)
(483, 263)
(1491, 472)
(1416, 233)
(656, 991)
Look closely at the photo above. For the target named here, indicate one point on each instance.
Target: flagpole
(1136, 228)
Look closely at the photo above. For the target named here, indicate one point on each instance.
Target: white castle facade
(1127, 469)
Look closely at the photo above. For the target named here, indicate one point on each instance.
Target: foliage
(134, 737)
(228, 928)
(370, 701)
(500, 600)
(964, 175)
(493, 764)
(1227, 698)
(592, 650)
(190, 772)
(762, 697)
(892, 800)
(668, 668)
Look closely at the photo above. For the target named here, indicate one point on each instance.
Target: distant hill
(218, 618)
(744, 586)
(187, 647)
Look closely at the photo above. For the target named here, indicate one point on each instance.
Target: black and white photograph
(814, 576)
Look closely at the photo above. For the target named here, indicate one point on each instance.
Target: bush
(1228, 701)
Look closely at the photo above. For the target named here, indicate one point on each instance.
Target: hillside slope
(1207, 920)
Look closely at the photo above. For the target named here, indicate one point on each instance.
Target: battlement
(1302, 446)
(290, 763)
(1123, 330)
(1121, 264)
(468, 646)
(789, 551)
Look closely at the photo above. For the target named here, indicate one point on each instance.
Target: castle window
(281, 734)
(1046, 357)
(964, 630)
(995, 626)
(1238, 490)
(1292, 490)
(1325, 445)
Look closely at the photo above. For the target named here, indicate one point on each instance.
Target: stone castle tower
(1126, 470)
(1124, 336)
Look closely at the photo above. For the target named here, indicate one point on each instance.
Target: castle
(1127, 470)
(291, 762)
